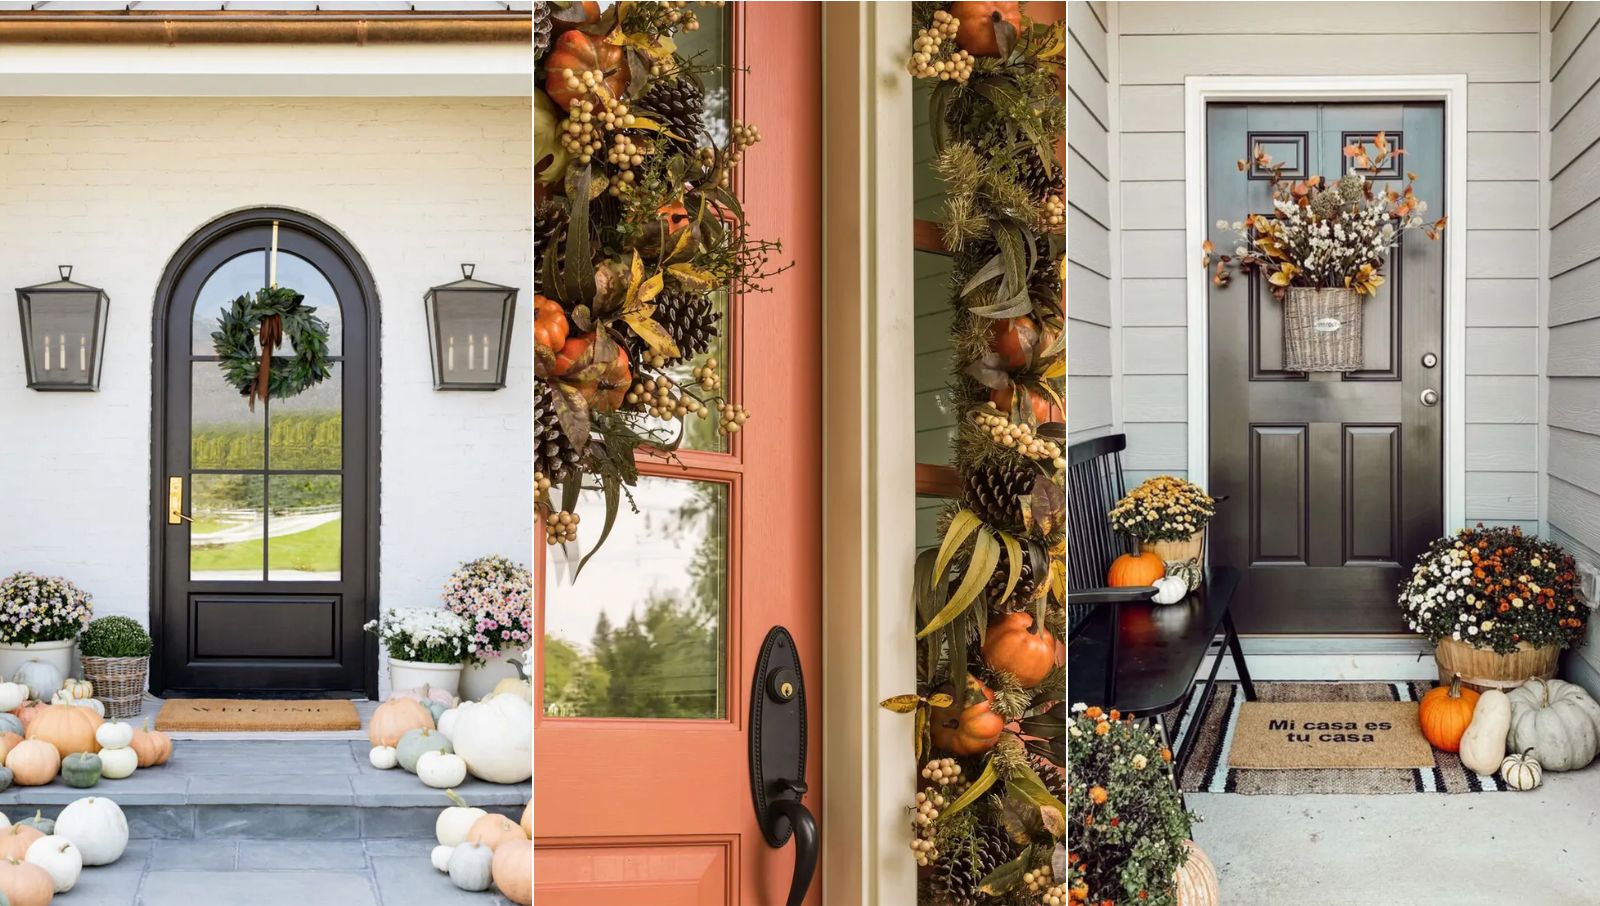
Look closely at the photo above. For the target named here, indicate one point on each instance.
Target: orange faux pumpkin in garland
(579, 53)
(549, 324)
(977, 21)
(970, 729)
(1444, 713)
(1136, 570)
(1015, 645)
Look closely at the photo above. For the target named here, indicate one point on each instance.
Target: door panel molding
(1199, 92)
(166, 298)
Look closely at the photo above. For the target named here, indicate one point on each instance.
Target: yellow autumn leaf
(901, 704)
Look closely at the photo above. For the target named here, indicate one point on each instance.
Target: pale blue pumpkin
(417, 741)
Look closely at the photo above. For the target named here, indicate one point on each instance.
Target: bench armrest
(1097, 596)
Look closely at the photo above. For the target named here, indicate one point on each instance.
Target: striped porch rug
(1208, 771)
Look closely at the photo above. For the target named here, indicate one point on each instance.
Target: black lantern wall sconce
(469, 332)
(63, 333)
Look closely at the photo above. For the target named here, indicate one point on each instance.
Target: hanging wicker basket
(1321, 329)
(1483, 669)
(118, 682)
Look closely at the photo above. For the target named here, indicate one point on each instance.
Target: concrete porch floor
(1473, 849)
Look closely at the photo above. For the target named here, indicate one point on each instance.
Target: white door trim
(1452, 90)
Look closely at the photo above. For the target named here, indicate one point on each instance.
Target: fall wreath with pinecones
(272, 315)
(989, 820)
(640, 250)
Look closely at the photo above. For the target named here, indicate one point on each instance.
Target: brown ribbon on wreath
(271, 337)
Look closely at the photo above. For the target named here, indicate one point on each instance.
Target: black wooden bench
(1124, 651)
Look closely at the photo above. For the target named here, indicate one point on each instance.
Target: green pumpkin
(5, 779)
(81, 769)
(434, 708)
(39, 822)
(11, 723)
(417, 741)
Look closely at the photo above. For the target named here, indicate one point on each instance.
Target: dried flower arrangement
(640, 244)
(1322, 234)
(1163, 508)
(1493, 588)
(989, 715)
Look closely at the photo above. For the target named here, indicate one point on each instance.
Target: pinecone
(542, 27)
(994, 492)
(1055, 779)
(1026, 583)
(550, 229)
(1031, 174)
(957, 874)
(553, 454)
(678, 103)
(689, 318)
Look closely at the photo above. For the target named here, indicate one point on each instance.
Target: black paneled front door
(263, 580)
(1335, 480)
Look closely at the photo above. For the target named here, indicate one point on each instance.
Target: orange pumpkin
(1044, 409)
(394, 717)
(968, 729)
(612, 389)
(1135, 570)
(33, 762)
(975, 25)
(549, 324)
(580, 53)
(674, 216)
(27, 713)
(67, 727)
(152, 746)
(1445, 712)
(1014, 645)
(15, 840)
(9, 740)
(492, 830)
(24, 883)
(512, 871)
(527, 820)
(1016, 340)
(570, 351)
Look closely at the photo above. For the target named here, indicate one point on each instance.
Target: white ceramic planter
(412, 674)
(57, 654)
(478, 680)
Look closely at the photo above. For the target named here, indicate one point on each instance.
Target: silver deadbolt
(1429, 360)
(1430, 397)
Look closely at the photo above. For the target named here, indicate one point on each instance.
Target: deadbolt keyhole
(780, 684)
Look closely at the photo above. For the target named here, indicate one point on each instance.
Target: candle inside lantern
(472, 354)
(485, 352)
(47, 352)
(450, 356)
(62, 340)
(83, 353)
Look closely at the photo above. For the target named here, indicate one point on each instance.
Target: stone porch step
(271, 790)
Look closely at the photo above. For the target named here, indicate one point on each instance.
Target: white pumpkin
(1483, 745)
(1521, 771)
(114, 735)
(1556, 719)
(383, 757)
(470, 866)
(453, 823)
(441, 770)
(41, 679)
(77, 688)
(97, 827)
(495, 739)
(12, 695)
(440, 857)
(1170, 590)
(59, 859)
(118, 763)
(93, 704)
(446, 722)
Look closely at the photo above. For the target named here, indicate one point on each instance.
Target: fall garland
(638, 232)
(990, 721)
(274, 314)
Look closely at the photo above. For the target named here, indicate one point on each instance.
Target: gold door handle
(175, 514)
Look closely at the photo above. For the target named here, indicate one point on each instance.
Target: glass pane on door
(224, 433)
(302, 276)
(225, 537)
(643, 632)
(306, 431)
(240, 275)
(303, 527)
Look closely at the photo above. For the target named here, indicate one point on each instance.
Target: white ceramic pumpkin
(453, 823)
(383, 757)
(440, 857)
(114, 735)
(1483, 745)
(495, 739)
(446, 722)
(470, 866)
(1170, 590)
(12, 695)
(441, 770)
(1556, 719)
(118, 763)
(1521, 771)
(41, 679)
(59, 859)
(97, 827)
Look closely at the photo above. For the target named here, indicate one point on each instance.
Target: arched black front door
(264, 522)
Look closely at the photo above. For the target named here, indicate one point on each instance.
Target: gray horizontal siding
(1090, 386)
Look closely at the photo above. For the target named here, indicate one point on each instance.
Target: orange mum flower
(1097, 795)
(1093, 713)
(1102, 728)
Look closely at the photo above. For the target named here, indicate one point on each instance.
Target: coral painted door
(642, 739)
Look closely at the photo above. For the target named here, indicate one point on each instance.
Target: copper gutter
(266, 27)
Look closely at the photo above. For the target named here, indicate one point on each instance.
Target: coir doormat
(1257, 751)
(228, 715)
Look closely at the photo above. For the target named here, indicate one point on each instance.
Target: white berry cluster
(925, 849)
(1055, 896)
(591, 116)
(561, 527)
(944, 771)
(928, 805)
(932, 56)
(706, 375)
(1038, 880)
(541, 482)
(656, 396)
(1055, 210)
(1019, 437)
(732, 417)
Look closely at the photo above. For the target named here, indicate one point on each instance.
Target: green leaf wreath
(235, 343)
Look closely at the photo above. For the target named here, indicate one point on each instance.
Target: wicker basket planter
(1483, 669)
(1321, 329)
(1185, 558)
(118, 682)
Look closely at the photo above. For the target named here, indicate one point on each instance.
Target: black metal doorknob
(778, 756)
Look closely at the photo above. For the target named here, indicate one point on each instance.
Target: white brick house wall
(115, 185)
